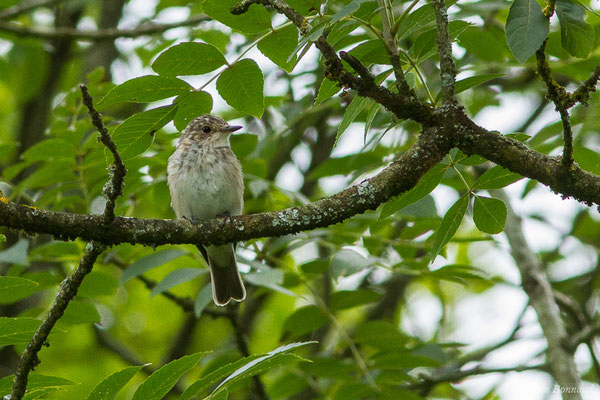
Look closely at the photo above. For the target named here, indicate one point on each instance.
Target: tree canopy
(422, 183)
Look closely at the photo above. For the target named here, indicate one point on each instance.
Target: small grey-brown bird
(205, 180)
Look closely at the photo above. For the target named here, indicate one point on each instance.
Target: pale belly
(209, 189)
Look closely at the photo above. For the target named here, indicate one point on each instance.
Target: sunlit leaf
(241, 86)
(189, 58)
(190, 106)
(145, 89)
(489, 214)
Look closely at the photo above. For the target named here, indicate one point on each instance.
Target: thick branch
(517, 157)
(400, 176)
(57, 33)
(68, 290)
(447, 66)
(560, 358)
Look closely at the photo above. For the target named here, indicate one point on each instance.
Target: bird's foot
(226, 217)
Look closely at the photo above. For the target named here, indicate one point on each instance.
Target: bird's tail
(226, 281)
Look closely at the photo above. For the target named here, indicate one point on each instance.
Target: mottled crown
(206, 124)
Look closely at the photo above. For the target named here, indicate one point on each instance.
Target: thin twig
(26, 6)
(562, 101)
(114, 187)
(447, 66)
(89, 35)
(387, 21)
(68, 289)
(584, 335)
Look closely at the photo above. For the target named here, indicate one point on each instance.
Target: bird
(205, 181)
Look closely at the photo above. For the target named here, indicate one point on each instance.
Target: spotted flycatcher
(205, 181)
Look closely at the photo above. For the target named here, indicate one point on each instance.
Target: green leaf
(279, 45)
(347, 262)
(449, 225)
(145, 89)
(526, 28)
(352, 298)
(381, 335)
(326, 90)
(273, 359)
(243, 144)
(110, 386)
(150, 261)
(426, 184)
(230, 369)
(305, 320)
(136, 134)
(98, 283)
(576, 35)
(253, 21)
(489, 214)
(34, 382)
(16, 254)
(17, 331)
(175, 278)
(470, 82)
(80, 312)
(202, 300)
(496, 178)
(50, 149)
(13, 288)
(241, 86)
(190, 106)
(425, 45)
(189, 58)
(157, 385)
(371, 52)
(305, 7)
(355, 107)
(210, 379)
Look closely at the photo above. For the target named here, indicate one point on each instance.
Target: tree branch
(399, 177)
(535, 283)
(89, 35)
(25, 6)
(447, 66)
(68, 290)
(114, 187)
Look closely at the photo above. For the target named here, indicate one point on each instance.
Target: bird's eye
(206, 129)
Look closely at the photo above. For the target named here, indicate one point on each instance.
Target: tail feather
(226, 281)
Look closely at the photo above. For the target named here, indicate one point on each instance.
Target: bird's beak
(232, 128)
